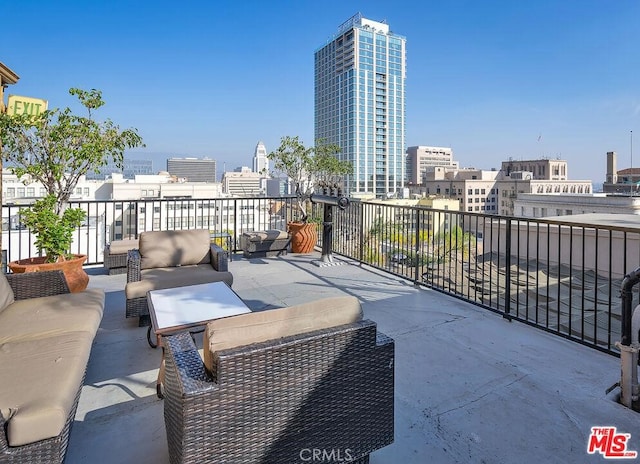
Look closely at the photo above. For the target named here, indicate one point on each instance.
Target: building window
(86, 191)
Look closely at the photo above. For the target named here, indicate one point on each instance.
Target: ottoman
(264, 244)
(115, 255)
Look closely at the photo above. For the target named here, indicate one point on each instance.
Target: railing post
(507, 273)
(416, 249)
(361, 239)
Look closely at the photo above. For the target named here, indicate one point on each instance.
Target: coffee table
(177, 309)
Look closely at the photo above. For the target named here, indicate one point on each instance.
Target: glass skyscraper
(360, 103)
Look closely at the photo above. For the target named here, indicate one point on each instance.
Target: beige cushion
(170, 277)
(260, 236)
(119, 247)
(174, 248)
(39, 382)
(48, 316)
(6, 293)
(245, 329)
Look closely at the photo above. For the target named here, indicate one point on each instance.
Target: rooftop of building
(470, 386)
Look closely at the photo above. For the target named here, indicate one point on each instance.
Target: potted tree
(306, 167)
(55, 149)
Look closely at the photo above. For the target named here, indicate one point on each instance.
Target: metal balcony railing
(560, 276)
(557, 275)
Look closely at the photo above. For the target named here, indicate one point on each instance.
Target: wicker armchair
(174, 259)
(328, 392)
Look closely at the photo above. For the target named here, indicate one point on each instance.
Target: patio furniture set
(268, 387)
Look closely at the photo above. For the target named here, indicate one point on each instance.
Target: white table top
(193, 305)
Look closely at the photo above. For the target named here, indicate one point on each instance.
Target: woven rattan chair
(328, 392)
(156, 246)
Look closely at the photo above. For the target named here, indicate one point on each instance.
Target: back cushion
(6, 293)
(273, 324)
(174, 248)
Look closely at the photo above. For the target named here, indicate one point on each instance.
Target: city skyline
(491, 80)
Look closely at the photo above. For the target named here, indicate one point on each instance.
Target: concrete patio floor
(471, 387)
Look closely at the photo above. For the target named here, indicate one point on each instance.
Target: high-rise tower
(260, 160)
(360, 103)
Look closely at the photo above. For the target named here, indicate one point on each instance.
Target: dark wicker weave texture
(115, 263)
(329, 390)
(36, 284)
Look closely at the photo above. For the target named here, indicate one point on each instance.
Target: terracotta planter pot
(77, 278)
(303, 236)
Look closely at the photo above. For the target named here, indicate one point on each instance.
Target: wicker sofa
(168, 259)
(46, 335)
(276, 385)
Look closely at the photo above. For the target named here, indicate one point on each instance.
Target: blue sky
(492, 79)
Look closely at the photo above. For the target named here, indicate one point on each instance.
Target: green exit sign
(25, 105)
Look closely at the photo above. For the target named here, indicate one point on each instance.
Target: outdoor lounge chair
(326, 391)
(169, 259)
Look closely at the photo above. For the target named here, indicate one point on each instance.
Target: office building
(260, 160)
(360, 103)
(243, 183)
(624, 181)
(540, 169)
(495, 192)
(192, 169)
(130, 169)
(420, 159)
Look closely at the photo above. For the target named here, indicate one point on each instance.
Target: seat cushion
(39, 383)
(261, 326)
(172, 248)
(54, 315)
(119, 247)
(6, 293)
(260, 236)
(170, 277)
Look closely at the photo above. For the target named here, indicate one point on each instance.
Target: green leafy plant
(54, 232)
(306, 167)
(56, 148)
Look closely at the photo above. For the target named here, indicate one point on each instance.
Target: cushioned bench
(264, 244)
(46, 335)
(115, 255)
